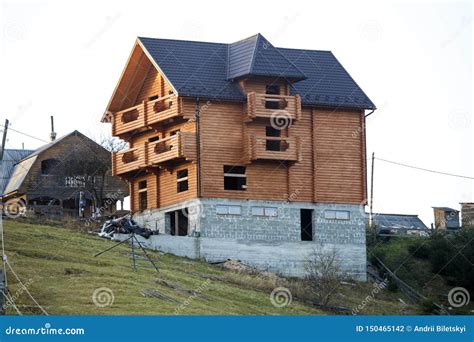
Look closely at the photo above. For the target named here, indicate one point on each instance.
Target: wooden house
(55, 181)
(243, 141)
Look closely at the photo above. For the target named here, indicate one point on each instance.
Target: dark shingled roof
(256, 56)
(210, 70)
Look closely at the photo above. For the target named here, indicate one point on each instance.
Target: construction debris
(124, 225)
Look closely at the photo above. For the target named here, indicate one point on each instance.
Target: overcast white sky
(413, 59)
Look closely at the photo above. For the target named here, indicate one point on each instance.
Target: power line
(25, 134)
(423, 169)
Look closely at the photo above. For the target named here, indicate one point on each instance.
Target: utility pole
(371, 218)
(3, 273)
(4, 139)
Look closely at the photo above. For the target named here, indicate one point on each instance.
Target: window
(142, 195)
(272, 89)
(229, 210)
(264, 211)
(273, 144)
(182, 179)
(48, 166)
(174, 132)
(153, 139)
(153, 98)
(272, 103)
(235, 178)
(336, 215)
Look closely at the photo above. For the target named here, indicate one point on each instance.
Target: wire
(26, 289)
(423, 169)
(12, 302)
(25, 134)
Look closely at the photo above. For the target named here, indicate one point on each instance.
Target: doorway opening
(306, 224)
(178, 222)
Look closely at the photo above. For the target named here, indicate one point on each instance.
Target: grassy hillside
(62, 273)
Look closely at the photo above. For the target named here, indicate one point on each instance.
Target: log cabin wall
(331, 169)
(331, 148)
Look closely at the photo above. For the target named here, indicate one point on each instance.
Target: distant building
(399, 224)
(467, 214)
(53, 180)
(446, 218)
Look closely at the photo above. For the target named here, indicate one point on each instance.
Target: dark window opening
(273, 145)
(178, 222)
(142, 185)
(142, 195)
(272, 103)
(235, 178)
(153, 139)
(182, 180)
(174, 132)
(153, 98)
(306, 225)
(273, 89)
(49, 166)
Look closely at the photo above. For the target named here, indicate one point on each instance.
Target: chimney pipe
(52, 135)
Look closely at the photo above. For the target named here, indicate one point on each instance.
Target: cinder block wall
(266, 242)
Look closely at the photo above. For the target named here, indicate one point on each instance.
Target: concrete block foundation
(264, 234)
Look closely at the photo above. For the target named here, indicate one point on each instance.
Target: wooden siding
(339, 156)
(325, 160)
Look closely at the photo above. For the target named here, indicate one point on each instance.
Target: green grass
(62, 273)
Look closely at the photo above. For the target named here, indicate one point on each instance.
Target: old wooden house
(70, 176)
(250, 151)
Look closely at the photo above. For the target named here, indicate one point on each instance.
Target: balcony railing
(181, 146)
(274, 148)
(276, 107)
(129, 160)
(147, 113)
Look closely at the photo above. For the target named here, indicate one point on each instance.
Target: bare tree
(324, 275)
(112, 144)
(86, 168)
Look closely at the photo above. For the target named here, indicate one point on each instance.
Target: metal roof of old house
(398, 221)
(10, 158)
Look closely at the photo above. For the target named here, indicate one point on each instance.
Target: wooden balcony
(147, 113)
(277, 107)
(128, 160)
(274, 148)
(181, 146)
